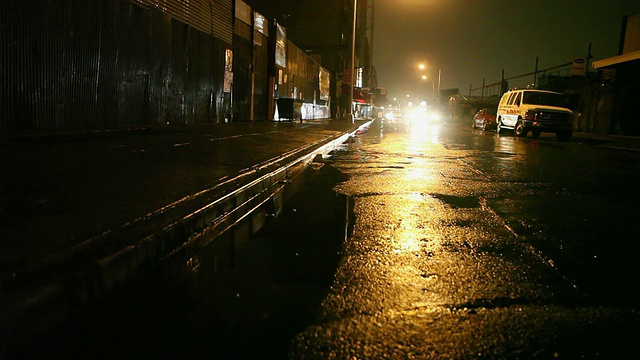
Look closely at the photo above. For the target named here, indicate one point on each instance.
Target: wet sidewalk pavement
(613, 142)
(71, 202)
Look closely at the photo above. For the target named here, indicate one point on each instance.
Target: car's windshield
(544, 98)
(492, 111)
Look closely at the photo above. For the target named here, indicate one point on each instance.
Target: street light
(433, 86)
(424, 77)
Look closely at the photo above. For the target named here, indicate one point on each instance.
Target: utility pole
(371, 29)
(353, 61)
(535, 75)
(439, 79)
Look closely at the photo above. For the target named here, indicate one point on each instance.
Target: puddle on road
(233, 300)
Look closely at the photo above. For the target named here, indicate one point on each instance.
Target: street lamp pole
(436, 95)
(353, 61)
(439, 78)
(433, 84)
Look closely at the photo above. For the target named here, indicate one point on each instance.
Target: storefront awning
(616, 60)
(360, 96)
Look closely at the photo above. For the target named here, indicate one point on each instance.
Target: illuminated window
(359, 77)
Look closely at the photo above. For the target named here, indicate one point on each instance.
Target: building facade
(93, 64)
(622, 72)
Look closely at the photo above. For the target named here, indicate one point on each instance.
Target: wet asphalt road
(473, 245)
(413, 241)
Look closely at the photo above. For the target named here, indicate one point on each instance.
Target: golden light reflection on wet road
(423, 131)
(407, 236)
(423, 139)
(431, 271)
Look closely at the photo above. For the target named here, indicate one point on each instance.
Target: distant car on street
(485, 119)
(393, 115)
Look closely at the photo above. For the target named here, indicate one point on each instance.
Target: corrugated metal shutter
(243, 30)
(198, 14)
(142, 3)
(242, 26)
(260, 27)
(213, 17)
(222, 20)
(243, 12)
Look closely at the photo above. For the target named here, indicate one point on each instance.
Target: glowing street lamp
(424, 77)
(433, 86)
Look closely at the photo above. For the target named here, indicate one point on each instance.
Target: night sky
(474, 39)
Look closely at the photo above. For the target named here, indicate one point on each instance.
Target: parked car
(485, 119)
(393, 115)
(536, 111)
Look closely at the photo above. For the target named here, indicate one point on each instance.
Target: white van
(536, 111)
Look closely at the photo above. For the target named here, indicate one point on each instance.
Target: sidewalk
(79, 212)
(613, 142)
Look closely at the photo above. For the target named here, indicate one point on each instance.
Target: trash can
(289, 108)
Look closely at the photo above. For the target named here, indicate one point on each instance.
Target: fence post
(535, 75)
